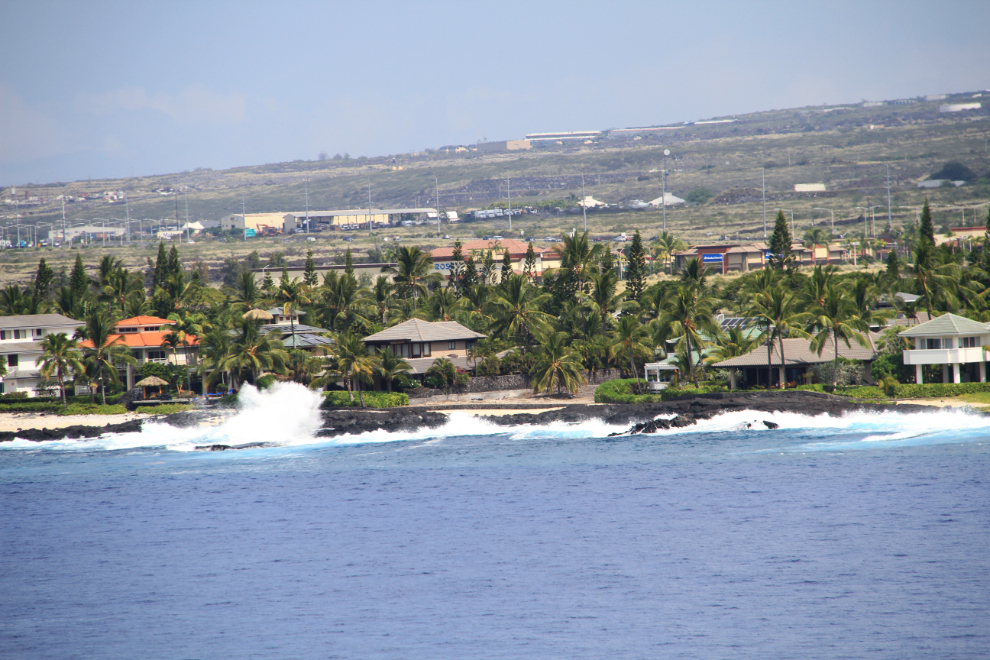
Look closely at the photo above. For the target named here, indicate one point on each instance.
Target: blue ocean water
(860, 537)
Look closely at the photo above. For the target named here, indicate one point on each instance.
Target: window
(969, 342)
(37, 332)
(156, 355)
(17, 334)
(451, 345)
(1, 387)
(427, 350)
(416, 349)
(469, 344)
(12, 361)
(3, 334)
(933, 343)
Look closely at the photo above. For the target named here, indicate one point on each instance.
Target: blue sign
(249, 233)
(767, 254)
(711, 258)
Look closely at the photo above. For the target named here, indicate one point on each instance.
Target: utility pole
(369, 205)
(63, 217)
(584, 207)
(663, 179)
(307, 206)
(508, 192)
(127, 227)
(765, 199)
(185, 198)
(890, 224)
(244, 218)
(436, 187)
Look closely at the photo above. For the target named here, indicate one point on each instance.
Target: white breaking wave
(288, 415)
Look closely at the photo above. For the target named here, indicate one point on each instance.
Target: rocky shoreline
(682, 412)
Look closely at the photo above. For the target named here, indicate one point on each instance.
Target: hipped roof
(797, 352)
(947, 324)
(416, 330)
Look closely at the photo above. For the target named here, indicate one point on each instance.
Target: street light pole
(890, 224)
(663, 200)
(436, 188)
(584, 206)
(764, 203)
(508, 192)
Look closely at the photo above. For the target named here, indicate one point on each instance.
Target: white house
(20, 347)
(950, 340)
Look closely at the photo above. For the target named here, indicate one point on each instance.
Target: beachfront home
(145, 336)
(950, 341)
(799, 359)
(20, 348)
(421, 342)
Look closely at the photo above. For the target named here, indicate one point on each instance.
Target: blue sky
(104, 89)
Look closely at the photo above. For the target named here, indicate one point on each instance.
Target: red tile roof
(142, 320)
(140, 339)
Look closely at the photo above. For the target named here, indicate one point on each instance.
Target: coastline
(341, 421)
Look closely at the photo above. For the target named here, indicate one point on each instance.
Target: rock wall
(499, 384)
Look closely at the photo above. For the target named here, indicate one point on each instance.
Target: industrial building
(256, 221)
(319, 220)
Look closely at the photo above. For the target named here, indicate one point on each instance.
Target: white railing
(944, 355)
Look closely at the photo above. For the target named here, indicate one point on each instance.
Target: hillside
(848, 148)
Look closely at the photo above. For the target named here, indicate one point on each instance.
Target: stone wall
(500, 383)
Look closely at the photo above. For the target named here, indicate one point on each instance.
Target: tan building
(255, 221)
(319, 220)
(420, 343)
(20, 348)
(546, 257)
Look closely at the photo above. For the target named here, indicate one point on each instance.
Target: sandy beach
(10, 422)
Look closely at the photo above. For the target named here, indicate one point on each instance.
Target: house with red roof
(145, 337)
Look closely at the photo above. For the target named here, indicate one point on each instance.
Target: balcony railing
(944, 355)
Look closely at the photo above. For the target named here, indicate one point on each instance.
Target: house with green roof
(951, 341)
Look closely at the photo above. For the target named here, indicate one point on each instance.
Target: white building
(951, 341)
(20, 348)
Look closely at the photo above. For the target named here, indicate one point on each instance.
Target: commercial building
(256, 221)
(546, 258)
(20, 348)
(320, 220)
(504, 145)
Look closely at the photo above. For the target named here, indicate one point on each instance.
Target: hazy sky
(114, 88)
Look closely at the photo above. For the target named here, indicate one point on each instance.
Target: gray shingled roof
(37, 321)
(947, 324)
(415, 330)
(797, 352)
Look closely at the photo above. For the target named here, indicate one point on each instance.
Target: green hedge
(28, 406)
(338, 399)
(619, 390)
(915, 391)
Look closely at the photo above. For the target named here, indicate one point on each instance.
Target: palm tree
(381, 293)
(777, 310)
(103, 349)
(251, 352)
(628, 337)
(603, 300)
(69, 304)
(557, 365)
(344, 303)
(389, 367)
(695, 272)
(214, 345)
(836, 318)
(932, 275)
(444, 370)
(303, 366)
(186, 327)
(61, 356)
(732, 343)
(516, 309)
(292, 293)
(412, 271)
(666, 245)
(248, 295)
(443, 303)
(817, 236)
(576, 255)
(821, 279)
(353, 362)
(689, 314)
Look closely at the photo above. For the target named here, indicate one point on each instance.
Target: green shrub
(266, 381)
(371, 399)
(620, 390)
(91, 409)
(28, 406)
(166, 409)
(13, 395)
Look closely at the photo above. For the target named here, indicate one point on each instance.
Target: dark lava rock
(341, 421)
(71, 432)
(247, 445)
(771, 425)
